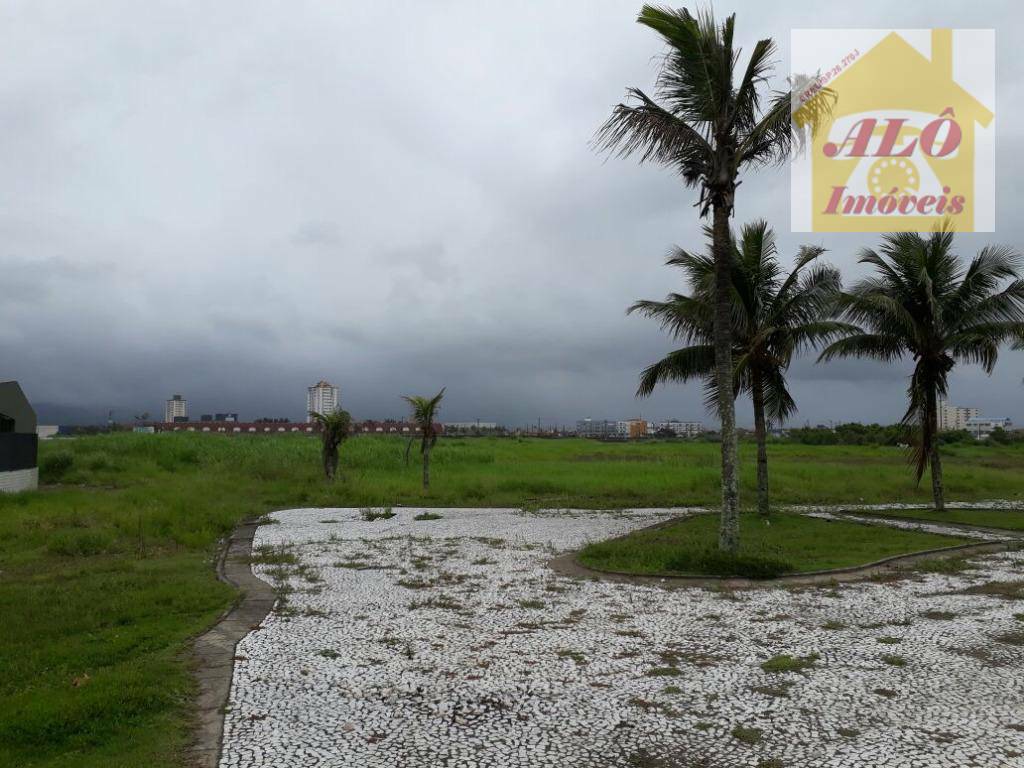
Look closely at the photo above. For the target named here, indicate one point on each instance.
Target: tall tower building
(176, 409)
(952, 417)
(322, 398)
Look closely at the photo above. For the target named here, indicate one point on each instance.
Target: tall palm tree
(708, 127)
(423, 411)
(334, 430)
(774, 317)
(921, 302)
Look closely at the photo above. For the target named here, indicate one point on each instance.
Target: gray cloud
(234, 201)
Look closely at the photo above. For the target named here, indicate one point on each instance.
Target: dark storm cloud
(235, 200)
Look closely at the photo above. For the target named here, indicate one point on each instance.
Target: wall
(18, 451)
(19, 480)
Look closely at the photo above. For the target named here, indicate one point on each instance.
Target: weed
(414, 583)
(1007, 590)
(441, 602)
(746, 734)
(777, 691)
(944, 565)
(787, 663)
(53, 466)
(270, 555)
(568, 653)
(531, 604)
(1015, 637)
(663, 672)
(371, 515)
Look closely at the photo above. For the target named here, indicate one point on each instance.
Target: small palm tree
(922, 303)
(423, 411)
(334, 430)
(774, 317)
(708, 128)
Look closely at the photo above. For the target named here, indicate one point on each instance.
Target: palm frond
(655, 134)
(887, 349)
(679, 366)
(424, 409)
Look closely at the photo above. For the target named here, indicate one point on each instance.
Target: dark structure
(19, 444)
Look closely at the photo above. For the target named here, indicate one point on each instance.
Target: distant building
(225, 417)
(260, 427)
(391, 427)
(323, 398)
(952, 417)
(597, 428)
(604, 429)
(631, 429)
(471, 427)
(46, 431)
(176, 409)
(19, 443)
(680, 428)
(981, 427)
(282, 426)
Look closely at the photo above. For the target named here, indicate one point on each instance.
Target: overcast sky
(233, 200)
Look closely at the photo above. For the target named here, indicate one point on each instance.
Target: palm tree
(922, 303)
(423, 411)
(708, 128)
(774, 317)
(334, 430)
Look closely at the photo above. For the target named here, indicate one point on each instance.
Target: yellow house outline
(895, 76)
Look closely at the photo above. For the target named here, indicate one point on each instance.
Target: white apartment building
(176, 409)
(952, 417)
(323, 397)
(681, 428)
(981, 427)
(591, 428)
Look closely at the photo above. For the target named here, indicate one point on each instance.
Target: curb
(214, 651)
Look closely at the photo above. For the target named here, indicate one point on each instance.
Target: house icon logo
(900, 142)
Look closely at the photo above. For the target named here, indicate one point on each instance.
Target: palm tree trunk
(426, 469)
(761, 432)
(932, 414)
(329, 463)
(729, 527)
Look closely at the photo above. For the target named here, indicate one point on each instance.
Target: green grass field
(106, 571)
(782, 544)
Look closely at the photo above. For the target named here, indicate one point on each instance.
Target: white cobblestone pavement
(450, 643)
